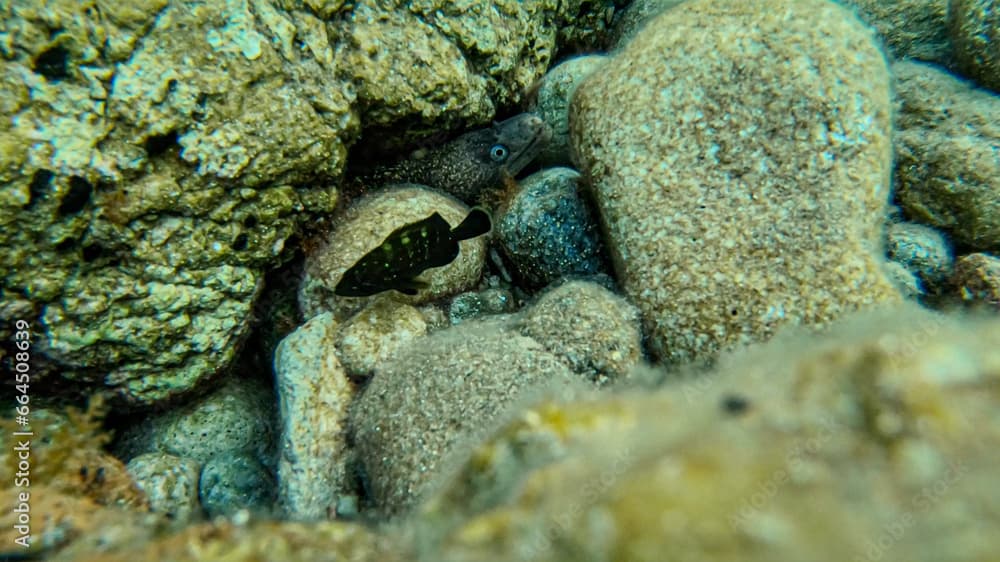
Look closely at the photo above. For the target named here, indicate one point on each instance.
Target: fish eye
(499, 152)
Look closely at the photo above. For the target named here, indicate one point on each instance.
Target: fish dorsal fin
(475, 224)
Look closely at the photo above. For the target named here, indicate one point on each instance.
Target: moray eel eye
(499, 153)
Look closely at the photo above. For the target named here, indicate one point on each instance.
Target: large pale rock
(740, 160)
(313, 396)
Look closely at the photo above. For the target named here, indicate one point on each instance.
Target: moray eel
(474, 162)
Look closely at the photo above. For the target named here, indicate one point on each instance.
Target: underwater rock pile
(461, 375)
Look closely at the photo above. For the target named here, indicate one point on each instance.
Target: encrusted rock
(364, 226)
(977, 279)
(741, 169)
(629, 21)
(313, 397)
(922, 250)
(551, 103)
(595, 331)
(975, 32)
(547, 231)
(909, 29)
(236, 417)
(376, 332)
(482, 303)
(436, 397)
(948, 154)
(170, 483)
(230, 482)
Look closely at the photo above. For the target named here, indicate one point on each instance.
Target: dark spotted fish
(407, 252)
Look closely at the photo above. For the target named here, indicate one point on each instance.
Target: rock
(547, 231)
(237, 417)
(313, 397)
(152, 180)
(977, 279)
(67, 458)
(233, 481)
(905, 280)
(947, 157)
(370, 336)
(441, 62)
(629, 21)
(165, 153)
(363, 227)
(170, 483)
(922, 250)
(909, 29)
(240, 541)
(551, 103)
(437, 396)
(863, 443)
(482, 303)
(742, 189)
(593, 330)
(975, 32)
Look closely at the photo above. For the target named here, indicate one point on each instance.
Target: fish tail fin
(476, 224)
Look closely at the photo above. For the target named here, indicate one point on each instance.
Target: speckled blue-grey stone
(170, 482)
(552, 104)
(234, 481)
(480, 303)
(922, 250)
(547, 232)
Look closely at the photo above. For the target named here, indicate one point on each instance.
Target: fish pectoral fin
(410, 286)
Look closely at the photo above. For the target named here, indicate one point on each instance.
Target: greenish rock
(237, 417)
(170, 482)
(947, 158)
(909, 29)
(629, 21)
(438, 396)
(153, 332)
(876, 440)
(230, 482)
(551, 103)
(743, 179)
(922, 250)
(975, 33)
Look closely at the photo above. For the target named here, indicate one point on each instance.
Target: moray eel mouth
(525, 135)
